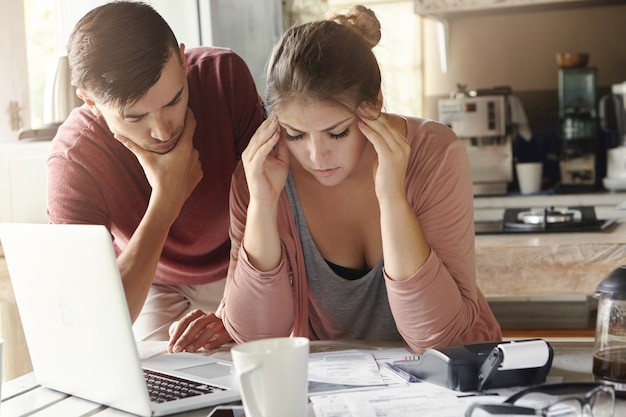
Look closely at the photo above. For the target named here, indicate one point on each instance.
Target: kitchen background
(517, 48)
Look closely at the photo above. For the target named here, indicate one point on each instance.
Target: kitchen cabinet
(453, 8)
(517, 47)
(23, 179)
(553, 264)
(16, 360)
(540, 284)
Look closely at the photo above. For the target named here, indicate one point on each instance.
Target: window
(41, 53)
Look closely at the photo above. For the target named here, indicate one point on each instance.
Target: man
(150, 156)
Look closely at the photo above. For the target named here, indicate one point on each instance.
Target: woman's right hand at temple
(266, 163)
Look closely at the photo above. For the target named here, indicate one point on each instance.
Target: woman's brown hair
(329, 60)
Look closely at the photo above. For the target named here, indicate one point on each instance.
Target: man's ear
(84, 96)
(379, 101)
(183, 58)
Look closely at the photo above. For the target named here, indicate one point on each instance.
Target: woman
(347, 222)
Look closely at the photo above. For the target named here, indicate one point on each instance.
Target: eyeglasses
(553, 400)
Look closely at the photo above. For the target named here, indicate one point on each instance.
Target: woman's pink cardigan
(440, 305)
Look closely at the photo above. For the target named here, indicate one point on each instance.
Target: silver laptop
(77, 326)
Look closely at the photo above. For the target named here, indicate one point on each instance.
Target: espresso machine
(481, 120)
(578, 131)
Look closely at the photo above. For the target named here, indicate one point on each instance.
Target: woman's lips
(325, 172)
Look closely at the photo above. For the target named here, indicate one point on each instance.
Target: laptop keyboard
(163, 388)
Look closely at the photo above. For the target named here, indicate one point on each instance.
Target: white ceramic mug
(273, 376)
(529, 176)
(616, 163)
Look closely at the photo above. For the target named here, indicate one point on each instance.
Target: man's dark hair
(117, 51)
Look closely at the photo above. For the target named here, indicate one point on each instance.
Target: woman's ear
(84, 96)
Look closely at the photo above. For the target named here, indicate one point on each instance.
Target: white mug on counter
(529, 176)
(616, 163)
(273, 376)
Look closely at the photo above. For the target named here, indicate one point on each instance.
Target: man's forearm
(138, 261)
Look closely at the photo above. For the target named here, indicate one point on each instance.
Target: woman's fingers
(263, 140)
(382, 134)
(379, 130)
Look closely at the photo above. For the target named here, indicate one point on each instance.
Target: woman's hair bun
(363, 20)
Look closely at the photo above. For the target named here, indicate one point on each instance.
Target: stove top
(546, 220)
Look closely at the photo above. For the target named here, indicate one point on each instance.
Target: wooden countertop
(16, 359)
(536, 264)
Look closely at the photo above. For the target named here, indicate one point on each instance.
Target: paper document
(349, 367)
(356, 383)
(423, 399)
(353, 369)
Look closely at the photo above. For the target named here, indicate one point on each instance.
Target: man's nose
(161, 129)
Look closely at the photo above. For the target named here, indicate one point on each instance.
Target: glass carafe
(609, 353)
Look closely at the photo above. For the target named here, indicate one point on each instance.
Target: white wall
(519, 49)
(13, 84)
(180, 14)
(67, 13)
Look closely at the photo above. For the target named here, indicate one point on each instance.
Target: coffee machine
(482, 122)
(578, 131)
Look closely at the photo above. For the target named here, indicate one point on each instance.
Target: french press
(609, 353)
